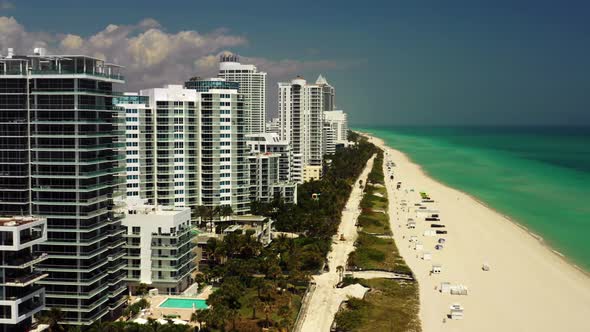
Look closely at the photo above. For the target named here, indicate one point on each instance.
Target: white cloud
(152, 56)
(5, 5)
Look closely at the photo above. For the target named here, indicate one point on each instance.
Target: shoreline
(524, 228)
(530, 287)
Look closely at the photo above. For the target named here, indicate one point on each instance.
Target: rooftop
(17, 220)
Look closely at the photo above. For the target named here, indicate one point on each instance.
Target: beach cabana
(458, 290)
(456, 311)
(418, 246)
(430, 232)
(141, 321)
(426, 256)
(445, 287)
(436, 269)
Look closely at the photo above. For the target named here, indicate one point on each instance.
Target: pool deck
(184, 313)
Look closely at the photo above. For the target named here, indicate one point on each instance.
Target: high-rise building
(301, 114)
(60, 160)
(160, 247)
(252, 86)
(168, 147)
(139, 145)
(20, 297)
(190, 145)
(270, 163)
(223, 153)
(329, 137)
(273, 126)
(328, 94)
(337, 120)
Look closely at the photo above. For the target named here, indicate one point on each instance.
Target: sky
(452, 62)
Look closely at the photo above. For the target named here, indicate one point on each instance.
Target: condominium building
(60, 160)
(252, 86)
(270, 163)
(302, 119)
(273, 126)
(223, 165)
(160, 247)
(20, 297)
(168, 147)
(139, 145)
(328, 94)
(329, 139)
(338, 121)
(186, 145)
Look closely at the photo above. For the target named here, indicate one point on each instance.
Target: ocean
(537, 176)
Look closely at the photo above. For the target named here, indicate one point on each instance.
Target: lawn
(374, 222)
(390, 306)
(374, 253)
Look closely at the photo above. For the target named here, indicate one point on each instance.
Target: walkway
(326, 298)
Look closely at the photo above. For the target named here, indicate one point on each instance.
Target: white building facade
(338, 121)
(160, 247)
(162, 146)
(223, 154)
(270, 165)
(252, 86)
(301, 118)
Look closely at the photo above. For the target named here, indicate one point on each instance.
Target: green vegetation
(319, 219)
(262, 287)
(54, 316)
(136, 307)
(373, 252)
(390, 305)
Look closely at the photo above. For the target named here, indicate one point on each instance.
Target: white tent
(141, 321)
(179, 321)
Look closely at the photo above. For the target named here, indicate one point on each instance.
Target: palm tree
(53, 317)
(225, 211)
(202, 212)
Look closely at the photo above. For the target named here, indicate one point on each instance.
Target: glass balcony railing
(115, 76)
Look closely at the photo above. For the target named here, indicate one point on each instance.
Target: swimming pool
(180, 303)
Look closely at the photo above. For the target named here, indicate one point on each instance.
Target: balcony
(22, 232)
(112, 76)
(23, 307)
(23, 261)
(23, 281)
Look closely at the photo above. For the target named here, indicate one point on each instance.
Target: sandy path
(528, 288)
(325, 300)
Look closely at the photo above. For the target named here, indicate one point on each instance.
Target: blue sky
(392, 62)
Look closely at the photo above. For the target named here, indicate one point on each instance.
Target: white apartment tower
(223, 154)
(252, 86)
(161, 145)
(301, 117)
(186, 145)
(160, 247)
(270, 163)
(338, 121)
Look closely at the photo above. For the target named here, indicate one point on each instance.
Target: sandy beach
(528, 287)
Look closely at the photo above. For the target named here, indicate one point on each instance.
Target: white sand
(325, 300)
(529, 288)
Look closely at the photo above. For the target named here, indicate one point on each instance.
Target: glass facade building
(60, 159)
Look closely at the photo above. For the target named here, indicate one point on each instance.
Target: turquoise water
(184, 303)
(540, 177)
